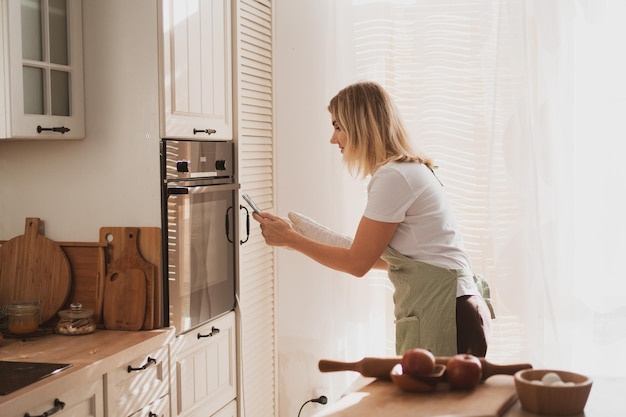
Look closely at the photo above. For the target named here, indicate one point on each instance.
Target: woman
(407, 228)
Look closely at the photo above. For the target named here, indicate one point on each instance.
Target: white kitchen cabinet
(203, 368)
(85, 400)
(139, 384)
(229, 411)
(41, 66)
(195, 69)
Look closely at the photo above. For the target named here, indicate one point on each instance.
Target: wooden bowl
(556, 400)
(418, 383)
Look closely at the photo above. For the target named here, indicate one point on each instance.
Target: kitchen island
(112, 373)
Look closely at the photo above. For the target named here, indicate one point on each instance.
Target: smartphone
(251, 203)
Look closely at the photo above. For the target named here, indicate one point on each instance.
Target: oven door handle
(227, 221)
(241, 242)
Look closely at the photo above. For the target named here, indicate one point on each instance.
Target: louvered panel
(260, 294)
(260, 105)
(258, 365)
(261, 261)
(262, 200)
(257, 135)
(256, 53)
(257, 94)
(255, 29)
(262, 157)
(258, 173)
(256, 153)
(255, 73)
(259, 16)
(259, 184)
(252, 125)
(254, 287)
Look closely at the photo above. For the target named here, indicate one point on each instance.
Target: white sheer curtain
(521, 104)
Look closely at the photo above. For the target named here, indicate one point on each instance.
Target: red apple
(464, 371)
(418, 361)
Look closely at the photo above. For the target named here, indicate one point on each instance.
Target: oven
(199, 227)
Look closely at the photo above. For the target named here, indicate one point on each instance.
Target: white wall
(112, 177)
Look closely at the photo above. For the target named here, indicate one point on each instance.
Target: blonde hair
(375, 134)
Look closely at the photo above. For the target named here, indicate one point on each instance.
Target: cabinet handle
(149, 361)
(58, 405)
(207, 131)
(214, 331)
(61, 129)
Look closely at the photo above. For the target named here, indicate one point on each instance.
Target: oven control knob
(220, 165)
(182, 166)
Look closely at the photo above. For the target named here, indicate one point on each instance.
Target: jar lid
(76, 312)
(23, 307)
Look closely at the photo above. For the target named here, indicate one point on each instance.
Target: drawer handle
(214, 331)
(58, 405)
(149, 361)
(207, 131)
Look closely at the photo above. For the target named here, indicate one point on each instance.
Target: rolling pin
(381, 367)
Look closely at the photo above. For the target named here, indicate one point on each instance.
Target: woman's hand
(275, 230)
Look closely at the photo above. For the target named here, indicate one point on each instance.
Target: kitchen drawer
(204, 377)
(159, 408)
(137, 383)
(84, 401)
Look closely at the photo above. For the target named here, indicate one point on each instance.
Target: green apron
(425, 304)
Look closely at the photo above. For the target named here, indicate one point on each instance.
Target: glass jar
(76, 321)
(23, 316)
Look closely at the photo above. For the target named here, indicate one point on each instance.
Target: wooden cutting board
(87, 264)
(33, 267)
(126, 286)
(383, 399)
(148, 244)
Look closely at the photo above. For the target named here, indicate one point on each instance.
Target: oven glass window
(201, 256)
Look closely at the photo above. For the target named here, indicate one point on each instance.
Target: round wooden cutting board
(34, 268)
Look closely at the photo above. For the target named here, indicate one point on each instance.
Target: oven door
(200, 253)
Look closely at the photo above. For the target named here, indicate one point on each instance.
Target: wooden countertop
(381, 398)
(90, 355)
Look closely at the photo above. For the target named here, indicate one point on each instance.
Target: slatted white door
(255, 137)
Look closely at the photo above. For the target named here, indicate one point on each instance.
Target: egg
(551, 378)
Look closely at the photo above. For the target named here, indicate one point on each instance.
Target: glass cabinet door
(45, 40)
(45, 57)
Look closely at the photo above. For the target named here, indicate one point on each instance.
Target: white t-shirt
(409, 194)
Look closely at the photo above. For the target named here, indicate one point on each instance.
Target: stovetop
(16, 375)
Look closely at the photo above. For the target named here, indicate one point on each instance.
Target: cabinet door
(83, 401)
(256, 156)
(195, 76)
(45, 67)
(203, 368)
(229, 411)
(137, 383)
